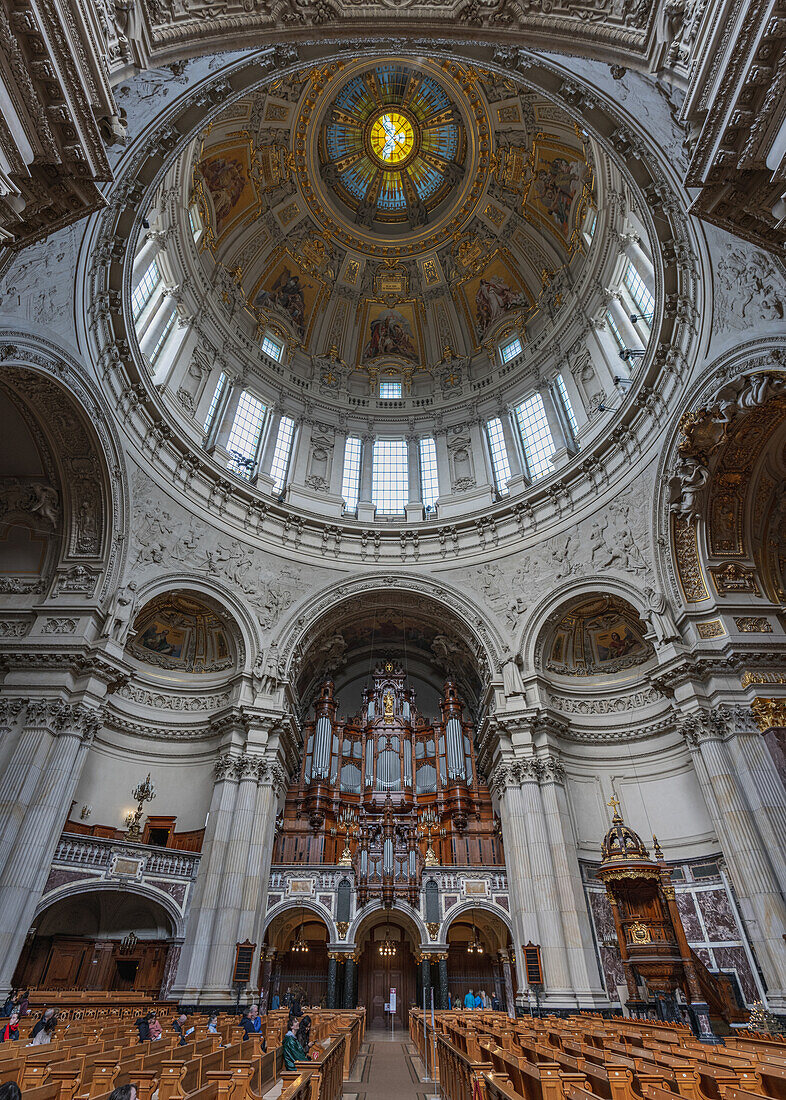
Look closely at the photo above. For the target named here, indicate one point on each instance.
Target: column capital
(10, 709)
(553, 770)
(768, 713)
(702, 726)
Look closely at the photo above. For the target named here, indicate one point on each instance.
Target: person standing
(478, 1000)
(469, 999)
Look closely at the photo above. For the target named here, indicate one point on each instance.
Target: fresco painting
(290, 293)
(494, 293)
(559, 177)
(226, 176)
(391, 331)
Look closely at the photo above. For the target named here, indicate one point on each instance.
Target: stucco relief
(751, 288)
(162, 532)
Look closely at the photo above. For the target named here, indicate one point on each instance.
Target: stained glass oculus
(392, 145)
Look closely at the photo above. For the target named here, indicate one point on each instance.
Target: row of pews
(90, 1056)
(486, 1056)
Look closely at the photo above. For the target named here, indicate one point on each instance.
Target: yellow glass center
(392, 137)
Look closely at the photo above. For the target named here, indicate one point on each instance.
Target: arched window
(432, 902)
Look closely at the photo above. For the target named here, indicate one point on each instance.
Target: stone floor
(388, 1068)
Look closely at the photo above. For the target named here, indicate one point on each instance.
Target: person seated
(212, 1025)
(10, 1004)
(154, 1024)
(10, 1033)
(293, 1051)
(179, 1028)
(123, 1092)
(143, 1027)
(9, 1090)
(44, 1030)
(23, 1008)
(469, 1000)
(275, 1002)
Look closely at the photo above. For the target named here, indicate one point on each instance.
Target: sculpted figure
(511, 677)
(659, 616)
(119, 613)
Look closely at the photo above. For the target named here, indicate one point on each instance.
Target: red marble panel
(718, 917)
(734, 958)
(689, 917)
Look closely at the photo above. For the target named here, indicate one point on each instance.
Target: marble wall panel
(717, 915)
(734, 958)
(690, 919)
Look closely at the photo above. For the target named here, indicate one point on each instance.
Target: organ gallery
(392, 526)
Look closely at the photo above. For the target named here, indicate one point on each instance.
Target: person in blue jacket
(478, 1001)
(469, 1000)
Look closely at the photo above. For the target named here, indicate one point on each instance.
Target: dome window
(145, 289)
(429, 480)
(389, 477)
(535, 435)
(272, 348)
(511, 350)
(390, 391)
(283, 451)
(350, 484)
(243, 442)
(499, 455)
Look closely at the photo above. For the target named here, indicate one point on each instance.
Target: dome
(621, 845)
(390, 291)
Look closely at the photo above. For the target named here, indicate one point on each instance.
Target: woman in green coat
(293, 1051)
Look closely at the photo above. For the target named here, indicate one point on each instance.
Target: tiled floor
(388, 1068)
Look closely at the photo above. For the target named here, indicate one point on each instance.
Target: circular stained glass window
(392, 137)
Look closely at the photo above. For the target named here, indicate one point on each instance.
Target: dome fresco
(600, 635)
(180, 631)
(443, 200)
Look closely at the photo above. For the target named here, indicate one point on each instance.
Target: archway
(480, 957)
(98, 940)
(387, 945)
(297, 943)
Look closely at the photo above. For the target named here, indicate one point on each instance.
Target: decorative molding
(769, 713)
(753, 624)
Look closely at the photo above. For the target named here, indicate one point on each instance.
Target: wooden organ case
(403, 793)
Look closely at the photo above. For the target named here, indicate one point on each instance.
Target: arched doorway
(299, 938)
(387, 942)
(480, 958)
(101, 940)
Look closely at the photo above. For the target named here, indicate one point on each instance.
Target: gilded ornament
(753, 624)
(713, 628)
(433, 929)
(687, 557)
(639, 933)
(769, 713)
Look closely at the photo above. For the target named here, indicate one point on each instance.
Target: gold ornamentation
(342, 927)
(752, 624)
(494, 215)
(713, 628)
(733, 577)
(387, 701)
(687, 557)
(769, 713)
(433, 929)
(749, 678)
(639, 933)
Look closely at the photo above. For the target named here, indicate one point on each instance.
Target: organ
(402, 791)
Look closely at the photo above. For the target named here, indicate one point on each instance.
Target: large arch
(140, 889)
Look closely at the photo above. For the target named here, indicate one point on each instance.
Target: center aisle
(387, 1068)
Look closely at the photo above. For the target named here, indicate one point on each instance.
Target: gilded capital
(769, 713)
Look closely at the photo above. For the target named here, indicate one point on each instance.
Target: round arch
(408, 915)
(458, 911)
(547, 609)
(446, 599)
(213, 590)
(139, 890)
(305, 905)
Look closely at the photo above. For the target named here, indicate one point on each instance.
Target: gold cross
(614, 803)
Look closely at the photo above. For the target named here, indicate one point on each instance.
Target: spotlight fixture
(622, 381)
(299, 945)
(632, 353)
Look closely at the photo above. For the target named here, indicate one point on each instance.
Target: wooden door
(378, 976)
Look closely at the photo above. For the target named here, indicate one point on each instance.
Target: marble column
(760, 900)
(763, 788)
(507, 977)
(218, 978)
(585, 977)
(27, 867)
(332, 975)
(349, 982)
(196, 951)
(23, 772)
(523, 907)
(556, 977)
(271, 779)
(425, 982)
(442, 976)
(266, 981)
